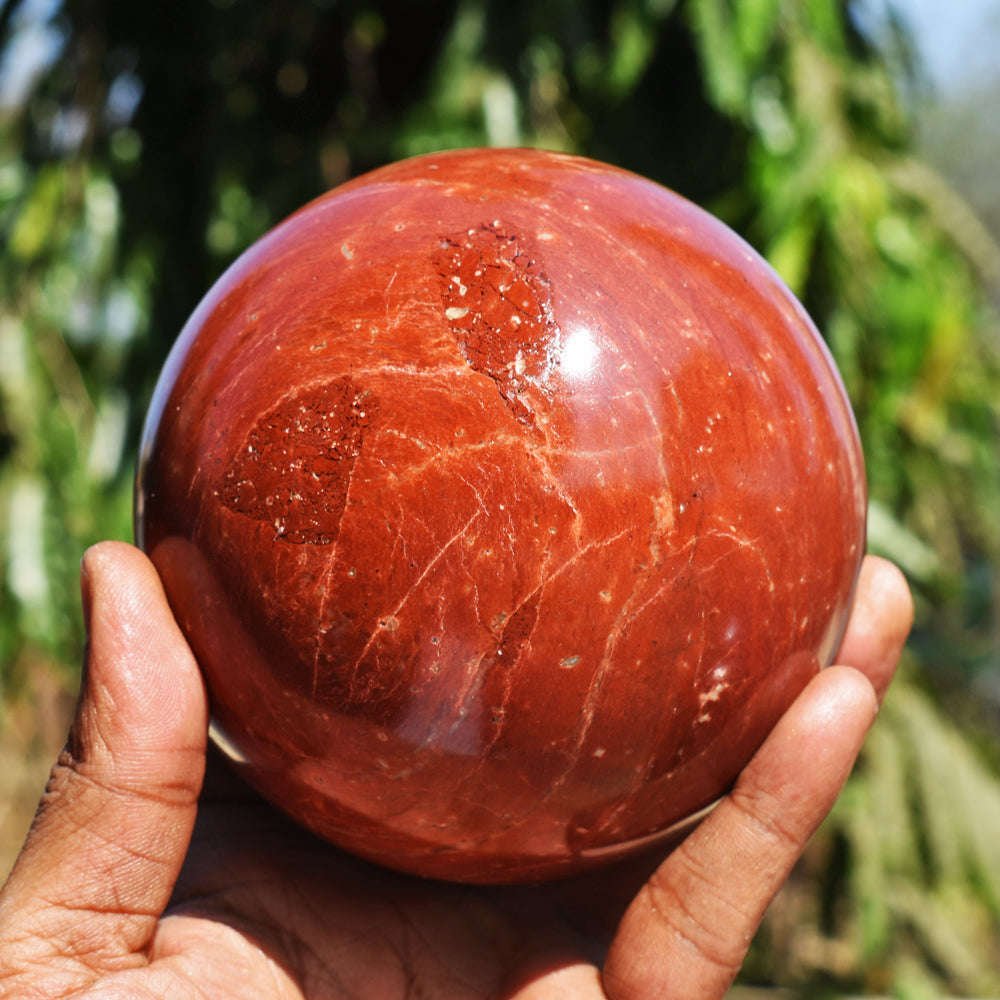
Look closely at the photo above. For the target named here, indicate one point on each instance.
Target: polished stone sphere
(507, 499)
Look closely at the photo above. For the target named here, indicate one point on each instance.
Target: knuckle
(764, 816)
(696, 909)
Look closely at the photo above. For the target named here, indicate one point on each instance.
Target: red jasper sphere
(507, 499)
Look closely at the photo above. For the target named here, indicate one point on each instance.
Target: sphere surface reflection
(506, 499)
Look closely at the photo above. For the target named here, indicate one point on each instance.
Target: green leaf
(726, 73)
(33, 230)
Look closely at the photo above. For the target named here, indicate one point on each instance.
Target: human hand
(144, 877)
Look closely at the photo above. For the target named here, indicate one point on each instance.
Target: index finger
(880, 622)
(687, 931)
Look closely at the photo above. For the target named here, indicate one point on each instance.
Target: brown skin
(147, 876)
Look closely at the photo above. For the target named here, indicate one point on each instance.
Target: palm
(264, 909)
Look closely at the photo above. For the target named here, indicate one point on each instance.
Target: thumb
(114, 823)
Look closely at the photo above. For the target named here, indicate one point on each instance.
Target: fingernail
(85, 593)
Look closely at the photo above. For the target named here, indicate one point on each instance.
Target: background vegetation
(142, 146)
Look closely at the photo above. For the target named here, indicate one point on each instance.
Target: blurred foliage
(142, 146)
